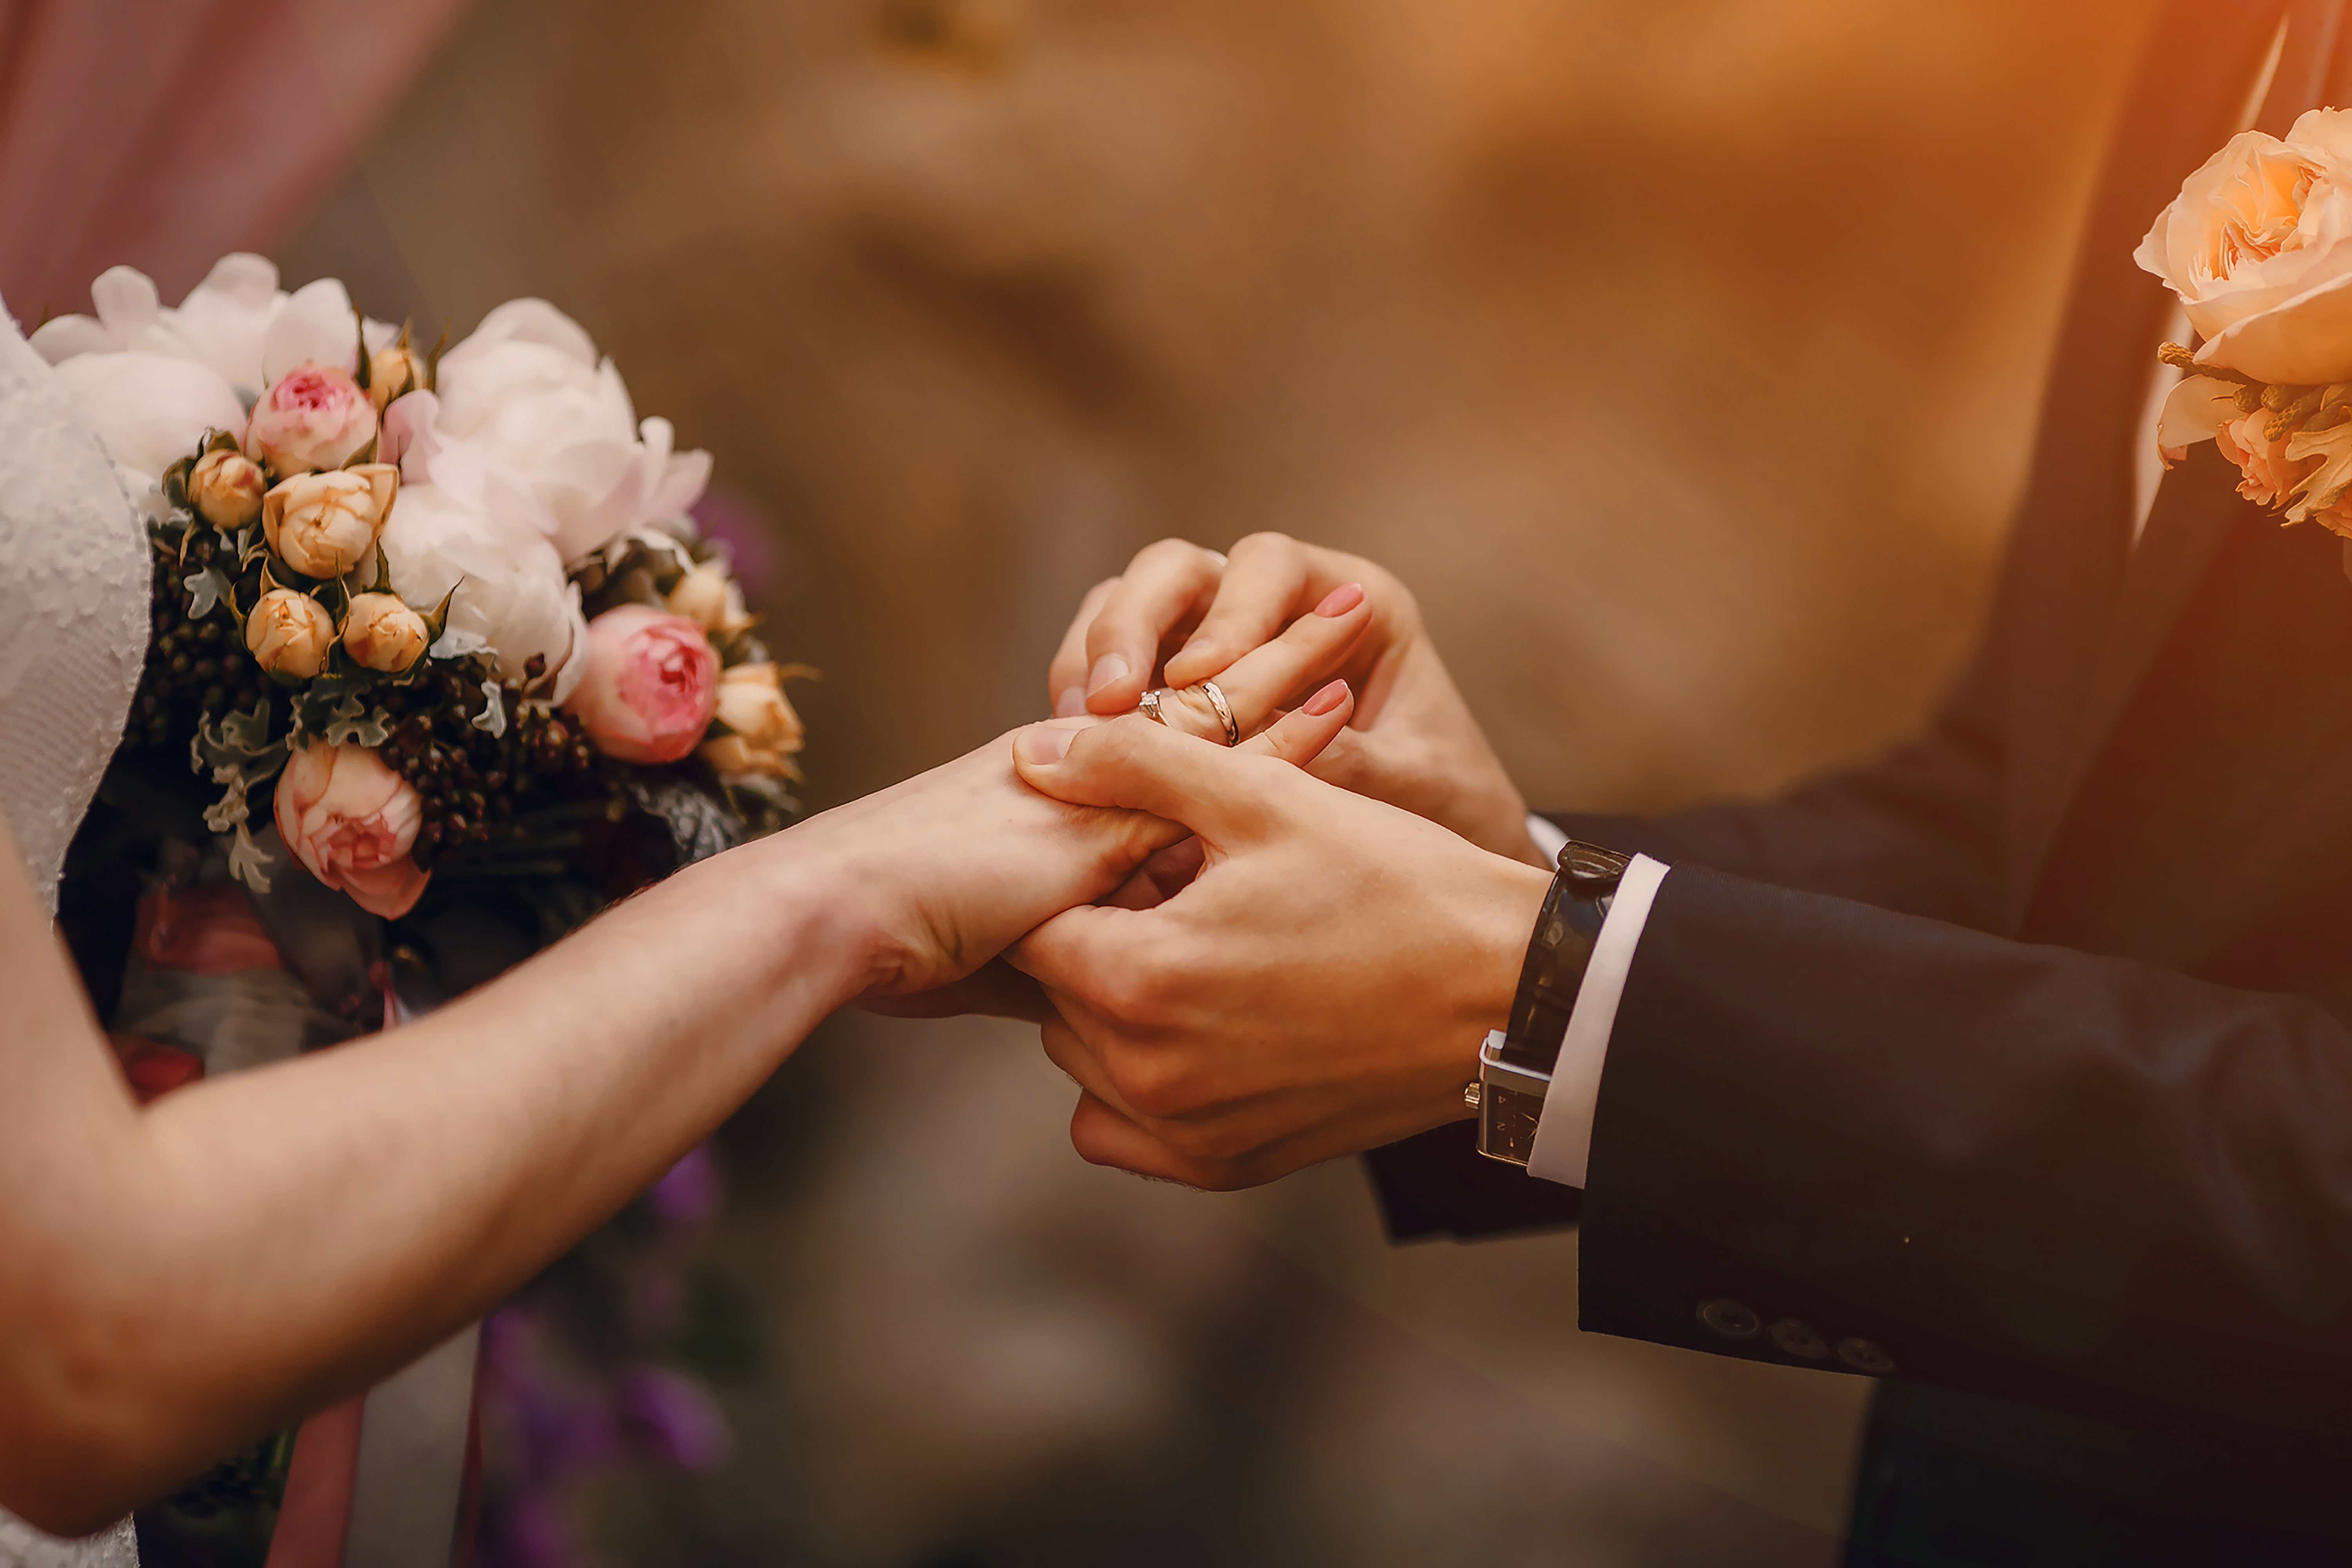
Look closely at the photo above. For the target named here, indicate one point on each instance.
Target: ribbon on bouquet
(229, 979)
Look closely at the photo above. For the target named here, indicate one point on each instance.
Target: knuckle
(1267, 542)
(1170, 552)
(1152, 1085)
(1127, 996)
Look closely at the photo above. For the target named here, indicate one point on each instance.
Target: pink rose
(2269, 475)
(650, 687)
(314, 416)
(353, 820)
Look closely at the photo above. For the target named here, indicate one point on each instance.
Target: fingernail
(1044, 745)
(1109, 668)
(1071, 703)
(1340, 599)
(1327, 699)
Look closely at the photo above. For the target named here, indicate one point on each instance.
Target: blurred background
(1681, 356)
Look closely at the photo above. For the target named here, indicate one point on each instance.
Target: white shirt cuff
(1549, 839)
(1563, 1147)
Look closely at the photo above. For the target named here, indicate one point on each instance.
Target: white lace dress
(73, 634)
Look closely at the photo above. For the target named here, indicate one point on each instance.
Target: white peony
(512, 594)
(528, 397)
(237, 322)
(150, 409)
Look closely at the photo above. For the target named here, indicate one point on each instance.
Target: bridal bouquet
(437, 603)
(439, 665)
(2258, 248)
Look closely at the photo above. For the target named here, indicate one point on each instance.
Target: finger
(1299, 735)
(995, 989)
(1273, 676)
(1270, 581)
(1102, 1136)
(1066, 677)
(1076, 952)
(1162, 595)
(1068, 1051)
(1134, 764)
(1160, 878)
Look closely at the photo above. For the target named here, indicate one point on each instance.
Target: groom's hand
(1320, 987)
(950, 867)
(1197, 615)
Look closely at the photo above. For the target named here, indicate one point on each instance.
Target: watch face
(1506, 1123)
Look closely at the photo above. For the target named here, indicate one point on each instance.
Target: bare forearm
(278, 1239)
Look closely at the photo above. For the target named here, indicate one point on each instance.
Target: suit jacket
(2020, 1058)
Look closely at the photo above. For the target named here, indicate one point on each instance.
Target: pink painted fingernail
(1340, 599)
(1327, 699)
(1109, 668)
(1071, 703)
(1044, 745)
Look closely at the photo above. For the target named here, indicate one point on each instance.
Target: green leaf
(359, 325)
(436, 619)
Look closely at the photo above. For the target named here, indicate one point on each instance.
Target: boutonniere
(2258, 245)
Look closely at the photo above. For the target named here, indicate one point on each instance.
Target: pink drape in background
(164, 132)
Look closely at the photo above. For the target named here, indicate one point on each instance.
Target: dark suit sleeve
(1918, 830)
(2021, 1171)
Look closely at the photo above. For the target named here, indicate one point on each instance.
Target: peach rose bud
(650, 685)
(383, 633)
(289, 632)
(226, 488)
(394, 372)
(324, 524)
(353, 821)
(766, 731)
(712, 599)
(314, 416)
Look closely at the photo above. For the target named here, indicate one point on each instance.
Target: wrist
(830, 925)
(1507, 897)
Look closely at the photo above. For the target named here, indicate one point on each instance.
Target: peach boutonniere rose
(2258, 248)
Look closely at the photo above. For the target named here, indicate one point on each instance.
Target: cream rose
(226, 487)
(289, 632)
(353, 821)
(324, 525)
(2258, 245)
(315, 416)
(766, 731)
(383, 633)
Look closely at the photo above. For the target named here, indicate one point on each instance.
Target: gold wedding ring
(1149, 707)
(1216, 695)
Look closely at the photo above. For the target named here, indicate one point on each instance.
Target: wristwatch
(1515, 1064)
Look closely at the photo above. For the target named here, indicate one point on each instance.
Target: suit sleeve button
(1732, 1319)
(1863, 1356)
(1800, 1339)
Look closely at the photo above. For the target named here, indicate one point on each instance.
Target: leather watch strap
(1557, 951)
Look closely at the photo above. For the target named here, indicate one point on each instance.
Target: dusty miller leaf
(354, 721)
(209, 588)
(246, 860)
(493, 716)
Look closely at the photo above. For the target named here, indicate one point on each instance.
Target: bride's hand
(1185, 614)
(943, 872)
